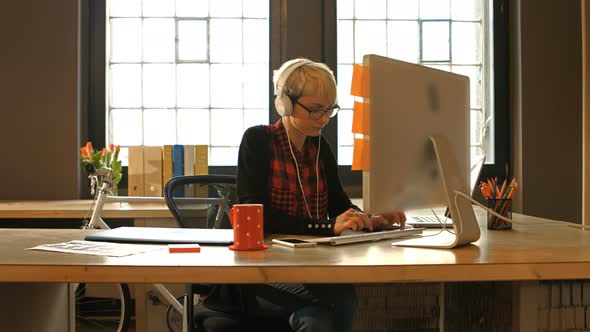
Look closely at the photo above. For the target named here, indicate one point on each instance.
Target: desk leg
(72, 306)
(140, 294)
(141, 310)
(441, 307)
(148, 316)
(526, 308)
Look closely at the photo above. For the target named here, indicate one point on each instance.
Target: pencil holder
(503, 207)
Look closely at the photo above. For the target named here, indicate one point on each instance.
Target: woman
(290, 169)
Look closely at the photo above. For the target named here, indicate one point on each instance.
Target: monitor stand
(465, 224)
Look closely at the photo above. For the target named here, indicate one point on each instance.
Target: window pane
(159, 88)
(125, 7)
(256, 86)
(345, 136)
(193, 85)
(193, 126)
(255, 117)
(226, 40)
(126, 40)
(192, 8)
(370, 9)
(158, 40)
(416, 31)
(435, 42)
(438, 66)
(223, 156)
(125, 83)
(226, 86)
(191, 56)
(369, 38)
(345, 100)
(158, 8)
(435, 9)
(345, 42)
(476, 122)
(256, 41)
(125, 125)
(475, 84)
(256, 8)
(159, 127)
(466, 10)
(226, 8)
(466, 43)
(476, 153)
(402, 9)
(228, 127)
(192, 40)
(345, 155)
(403, 40)
(345, 9)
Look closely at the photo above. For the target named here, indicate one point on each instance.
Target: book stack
(151, 167)
(563, 305)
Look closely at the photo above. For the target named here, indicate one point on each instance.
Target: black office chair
(215, 195)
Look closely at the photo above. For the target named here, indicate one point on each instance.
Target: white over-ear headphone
(283, 103)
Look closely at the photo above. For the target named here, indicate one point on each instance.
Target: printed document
(99, 248)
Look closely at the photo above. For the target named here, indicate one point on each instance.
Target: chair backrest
(201, 201)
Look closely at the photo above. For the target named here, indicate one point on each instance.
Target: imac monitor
(419, 144)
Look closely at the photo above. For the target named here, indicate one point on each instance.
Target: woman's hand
(352, 219)
(380, 221)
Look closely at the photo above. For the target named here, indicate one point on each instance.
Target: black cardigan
(253, 186)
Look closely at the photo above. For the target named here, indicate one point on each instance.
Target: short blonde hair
(311, 78)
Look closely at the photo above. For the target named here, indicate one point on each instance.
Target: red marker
(190, 247)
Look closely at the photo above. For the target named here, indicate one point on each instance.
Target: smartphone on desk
(294, 243)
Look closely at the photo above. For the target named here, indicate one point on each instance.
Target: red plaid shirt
(285, 190)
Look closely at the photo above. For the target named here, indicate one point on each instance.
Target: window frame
(286, 42)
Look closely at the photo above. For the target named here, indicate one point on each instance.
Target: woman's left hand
(383, 220)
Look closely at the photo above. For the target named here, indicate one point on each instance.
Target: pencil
(502, 189)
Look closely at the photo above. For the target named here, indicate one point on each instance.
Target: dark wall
(546, 70)
(39, 111)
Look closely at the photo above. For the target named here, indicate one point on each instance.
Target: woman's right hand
(352, 219)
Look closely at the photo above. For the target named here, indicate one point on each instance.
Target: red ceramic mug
(247, 221)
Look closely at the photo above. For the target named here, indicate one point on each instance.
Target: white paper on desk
(98, 248)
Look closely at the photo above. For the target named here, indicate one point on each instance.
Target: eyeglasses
(318, 114)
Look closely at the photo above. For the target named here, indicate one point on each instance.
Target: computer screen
(419, 135)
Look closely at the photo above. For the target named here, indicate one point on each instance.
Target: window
(451, 35)
(236, 55)
(186, 72)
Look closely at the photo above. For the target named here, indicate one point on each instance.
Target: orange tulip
(89, 147)
(104, 152)
(84, 152)
(112, 147)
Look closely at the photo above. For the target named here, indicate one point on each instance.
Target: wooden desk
(79, 209)
(525, 253)
(143, 214)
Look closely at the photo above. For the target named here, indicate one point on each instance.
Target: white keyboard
(349, 236)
